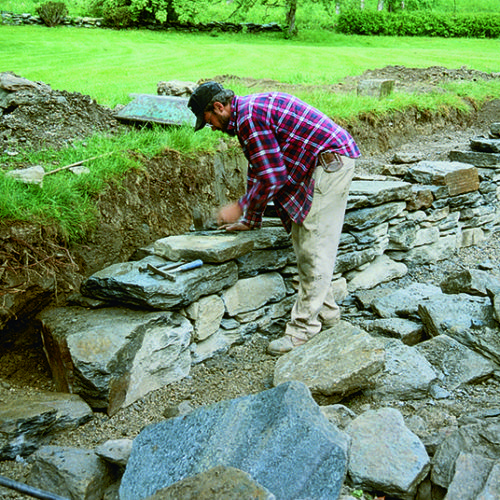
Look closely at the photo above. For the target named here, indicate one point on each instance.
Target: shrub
(418, 23)
(126, 13)
(52, 13)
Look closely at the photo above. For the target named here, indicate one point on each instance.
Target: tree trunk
(290, 17)
(380, 5)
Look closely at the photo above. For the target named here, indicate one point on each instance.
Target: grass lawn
(108, 65)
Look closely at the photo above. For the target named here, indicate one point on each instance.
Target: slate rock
(381, 270)
(407, 374)
(364, 218)
(492, 487)
(457, 363)
(221, 483)
(480, 439)
(476, 158)
(408, 331)
(466, 318)
(129, 283)
(469, 479)
(115, 451)
(485, 145)
(404, 302)
(457, 177)
(265, 435)
(471, 281)
(114, 356)
(369, 193)
(249, 294)
(70, 472)
(26, 422)
(212, 248)
(385, 455)
(335, 362)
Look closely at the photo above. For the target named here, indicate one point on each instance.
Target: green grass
(66, 199)
(109, 65)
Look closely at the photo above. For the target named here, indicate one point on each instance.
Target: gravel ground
(248, 369)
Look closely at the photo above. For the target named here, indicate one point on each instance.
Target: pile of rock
(14, 19)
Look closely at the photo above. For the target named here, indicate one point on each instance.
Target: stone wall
(14, 19)
(245, 283)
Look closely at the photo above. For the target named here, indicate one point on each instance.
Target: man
(302, 161)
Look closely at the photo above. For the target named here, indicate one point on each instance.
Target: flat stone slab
(131, 283)
(336, 362)
(170, 110)
(476, 158)
(485, 145)
(25, 421)
(212, 248)
(458, 177)
(367, 193)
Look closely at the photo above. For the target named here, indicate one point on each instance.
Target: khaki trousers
(315, 242)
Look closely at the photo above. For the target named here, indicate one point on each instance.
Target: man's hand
(237, 226)
(229, 214)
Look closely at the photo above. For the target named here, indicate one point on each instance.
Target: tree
(290, 18)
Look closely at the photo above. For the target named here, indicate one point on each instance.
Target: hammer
(166, 271)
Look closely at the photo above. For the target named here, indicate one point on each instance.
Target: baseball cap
(200, 99)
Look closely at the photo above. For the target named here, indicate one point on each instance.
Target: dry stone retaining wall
(15, 19)
(423, 212)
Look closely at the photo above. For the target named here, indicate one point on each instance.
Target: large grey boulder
(337, 362)
(280, 437)
(113, 356)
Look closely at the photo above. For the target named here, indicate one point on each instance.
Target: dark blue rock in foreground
(280, 437)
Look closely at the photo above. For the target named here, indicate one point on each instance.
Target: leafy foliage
(52, 13)
(126, 13)
(421, 23)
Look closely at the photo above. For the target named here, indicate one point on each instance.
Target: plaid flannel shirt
(281, 137)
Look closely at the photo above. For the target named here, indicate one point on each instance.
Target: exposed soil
(32, 257)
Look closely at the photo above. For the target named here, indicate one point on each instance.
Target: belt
(331, 162)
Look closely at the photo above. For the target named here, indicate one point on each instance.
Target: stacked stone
(14, 19)
(248, 280)
(423, 211)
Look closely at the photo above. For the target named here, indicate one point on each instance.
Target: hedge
(420, 23)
